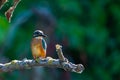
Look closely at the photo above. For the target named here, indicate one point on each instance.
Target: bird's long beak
(44, 35)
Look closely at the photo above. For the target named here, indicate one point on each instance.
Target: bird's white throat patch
(38, 37)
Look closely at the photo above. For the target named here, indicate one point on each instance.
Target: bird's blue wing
(44, 45)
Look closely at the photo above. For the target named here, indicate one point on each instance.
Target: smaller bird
(38, 45)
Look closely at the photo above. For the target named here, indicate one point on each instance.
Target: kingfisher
(38, 44)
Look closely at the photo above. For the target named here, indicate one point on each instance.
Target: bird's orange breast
(37, 49)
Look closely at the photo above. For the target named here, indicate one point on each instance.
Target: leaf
(10, 11)
(2, 2)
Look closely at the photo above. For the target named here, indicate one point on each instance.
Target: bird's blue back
(44, 45)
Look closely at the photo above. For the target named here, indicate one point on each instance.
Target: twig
(10, 11)
(2, 2)
(46, 62)
(59, 52)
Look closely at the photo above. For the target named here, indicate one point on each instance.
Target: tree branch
(46, 62)
(59, 52)
(2, 2)
(10, 11)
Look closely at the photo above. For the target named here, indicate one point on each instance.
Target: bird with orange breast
(38, 44)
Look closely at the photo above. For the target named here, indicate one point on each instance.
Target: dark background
(88, 30)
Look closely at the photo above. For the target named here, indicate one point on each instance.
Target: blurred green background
(88, 30)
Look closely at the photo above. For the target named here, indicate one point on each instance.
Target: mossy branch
(62, 62)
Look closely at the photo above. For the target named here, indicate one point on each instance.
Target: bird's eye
(37, 33)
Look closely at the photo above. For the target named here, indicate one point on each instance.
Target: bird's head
(38, 33)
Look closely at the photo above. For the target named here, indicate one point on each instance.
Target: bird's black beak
(44, 35)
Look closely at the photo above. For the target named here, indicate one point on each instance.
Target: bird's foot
(37, 60)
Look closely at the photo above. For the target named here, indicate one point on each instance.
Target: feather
(44, 45)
